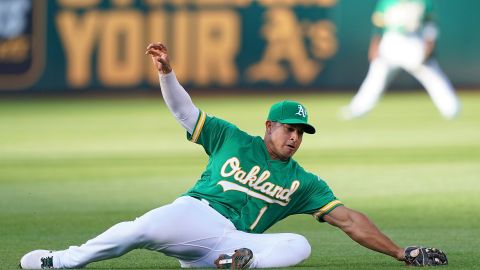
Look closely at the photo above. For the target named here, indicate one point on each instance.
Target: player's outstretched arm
(363, 231)
(175, 96)
(359, 227)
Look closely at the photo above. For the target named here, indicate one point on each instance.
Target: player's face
(283, 140)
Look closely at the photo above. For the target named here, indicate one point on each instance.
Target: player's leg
(269, 250)
(114, 242)
(275, 250)
(182, 229)
(438, 87)
(380, 73)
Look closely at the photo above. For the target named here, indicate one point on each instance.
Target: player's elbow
(358, 226)
(350, 223)
(342, 218)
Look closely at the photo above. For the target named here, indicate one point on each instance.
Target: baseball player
(404, 38)
(248, 185)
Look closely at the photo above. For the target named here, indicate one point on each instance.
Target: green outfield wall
(318, 45)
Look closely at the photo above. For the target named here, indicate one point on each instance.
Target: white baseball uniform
(406, 27)
(191, 231)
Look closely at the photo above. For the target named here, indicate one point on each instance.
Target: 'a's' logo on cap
(301, 111)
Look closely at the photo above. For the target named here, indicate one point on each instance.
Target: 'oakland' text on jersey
(246, 186)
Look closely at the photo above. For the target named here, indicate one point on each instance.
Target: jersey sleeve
(320, 200)
(378, 20)
(211, 132)
(429, 11)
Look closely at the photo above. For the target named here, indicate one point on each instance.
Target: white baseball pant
(191, 231)
(407, 52)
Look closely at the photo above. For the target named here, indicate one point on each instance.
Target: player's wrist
(400, 255)
(166, 69)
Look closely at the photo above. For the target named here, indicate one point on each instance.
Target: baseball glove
(420, 256)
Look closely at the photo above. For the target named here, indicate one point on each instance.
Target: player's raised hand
(159, 55)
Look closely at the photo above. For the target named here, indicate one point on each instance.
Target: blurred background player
(404, 37)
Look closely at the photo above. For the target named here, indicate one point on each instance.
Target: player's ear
(268, 127)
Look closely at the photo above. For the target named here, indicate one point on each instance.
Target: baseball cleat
(37, 259)
(240, 259)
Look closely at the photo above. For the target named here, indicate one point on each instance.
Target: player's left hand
(420, 256)
(159, 55)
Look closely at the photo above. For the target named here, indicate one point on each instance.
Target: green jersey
(404, 16)
(246, 186)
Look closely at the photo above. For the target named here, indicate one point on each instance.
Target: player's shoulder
(217, 122)
(303, 173)
(221, 125)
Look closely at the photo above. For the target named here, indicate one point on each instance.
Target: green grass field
(70, 168)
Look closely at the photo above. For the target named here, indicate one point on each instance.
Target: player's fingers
(152, 52)
(163, 48)
(157, 46)
(153, 45)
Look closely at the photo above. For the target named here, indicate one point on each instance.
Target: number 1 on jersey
(260, 214)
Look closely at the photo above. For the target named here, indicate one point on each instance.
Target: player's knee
(300, 245)
(304, 247)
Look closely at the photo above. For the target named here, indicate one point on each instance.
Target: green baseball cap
(290, 112)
